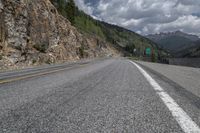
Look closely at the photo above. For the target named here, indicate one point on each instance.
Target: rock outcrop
(32, 32)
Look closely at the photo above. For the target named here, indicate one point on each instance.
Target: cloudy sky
(147, 16)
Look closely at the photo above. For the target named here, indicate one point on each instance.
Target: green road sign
(148, 51)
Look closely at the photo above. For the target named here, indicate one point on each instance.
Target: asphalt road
(108, 95)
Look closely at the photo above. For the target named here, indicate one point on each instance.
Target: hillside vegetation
(118, 36)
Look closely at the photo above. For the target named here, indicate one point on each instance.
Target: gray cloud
(147, 16)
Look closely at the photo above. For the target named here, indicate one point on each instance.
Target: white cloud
(134, 22)
(85, 7)
(147, 16)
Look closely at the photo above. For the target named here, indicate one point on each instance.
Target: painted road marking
(185, 122)
(3, 81)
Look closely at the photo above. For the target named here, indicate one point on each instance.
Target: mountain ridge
(177, 33)
(176, 43)
(119, 36)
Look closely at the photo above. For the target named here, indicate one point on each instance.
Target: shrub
(130, 48)
(34, 61)
(41, 47)
(153, 57)
(48, 61)
(81, 51)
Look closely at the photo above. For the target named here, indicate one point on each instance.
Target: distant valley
(178, 44)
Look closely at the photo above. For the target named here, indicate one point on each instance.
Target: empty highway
(101, 96)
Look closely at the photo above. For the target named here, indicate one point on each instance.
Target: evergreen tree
(71, 10)
(61, 7)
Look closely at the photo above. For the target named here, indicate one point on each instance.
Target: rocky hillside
(32, 32)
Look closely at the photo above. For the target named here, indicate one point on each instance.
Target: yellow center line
(3, 81)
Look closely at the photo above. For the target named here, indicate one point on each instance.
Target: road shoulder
(186, 99)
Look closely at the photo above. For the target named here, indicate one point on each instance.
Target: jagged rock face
(32, 32)
(2, 27)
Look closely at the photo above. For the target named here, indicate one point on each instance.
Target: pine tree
(61, 7)
(70, 10)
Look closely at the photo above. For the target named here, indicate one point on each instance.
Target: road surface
(108, 95)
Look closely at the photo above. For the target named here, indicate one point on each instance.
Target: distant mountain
(193, 51)
(157, 37)
(174, 42)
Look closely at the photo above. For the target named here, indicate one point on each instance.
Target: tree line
(66, 8)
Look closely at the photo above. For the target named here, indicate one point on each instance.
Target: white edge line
(185, 122)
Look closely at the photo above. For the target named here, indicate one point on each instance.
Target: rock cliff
(32, 32)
